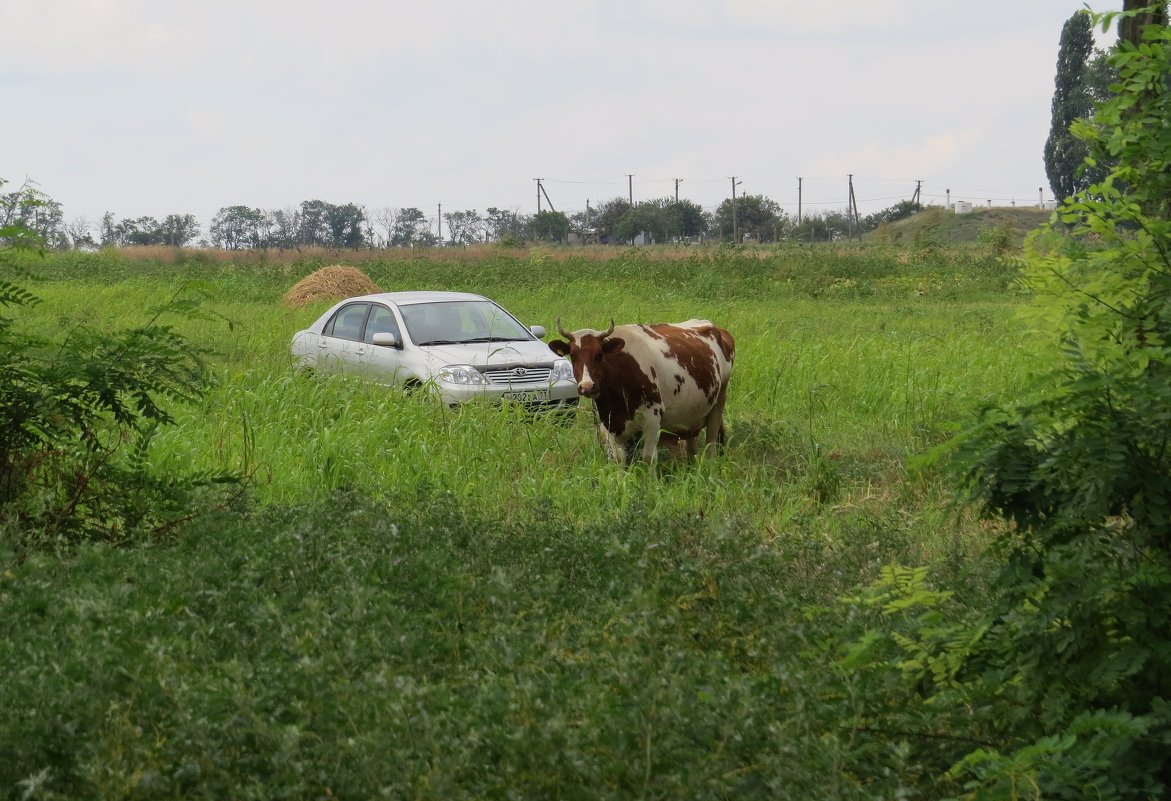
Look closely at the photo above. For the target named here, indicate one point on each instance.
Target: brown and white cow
(650, 379)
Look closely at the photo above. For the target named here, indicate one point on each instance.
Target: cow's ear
(559, 347)
(613, 344)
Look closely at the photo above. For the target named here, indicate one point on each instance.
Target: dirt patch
(336, 282)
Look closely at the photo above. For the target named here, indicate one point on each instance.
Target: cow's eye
(598, 356)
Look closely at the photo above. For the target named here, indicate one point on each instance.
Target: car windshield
(460, 321)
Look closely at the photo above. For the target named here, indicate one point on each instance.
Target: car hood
(483, 354)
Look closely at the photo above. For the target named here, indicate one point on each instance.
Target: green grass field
(416, 602)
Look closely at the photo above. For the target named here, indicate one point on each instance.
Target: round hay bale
(333, 283)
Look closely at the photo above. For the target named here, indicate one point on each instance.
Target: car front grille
(518, 375)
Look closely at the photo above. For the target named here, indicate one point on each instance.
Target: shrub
(76, 421)
(1058, 687)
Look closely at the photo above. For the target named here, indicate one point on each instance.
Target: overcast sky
(151, 107)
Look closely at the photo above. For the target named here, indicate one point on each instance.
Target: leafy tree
(1057, 685)
(1073, 99)
(16, 209)
(662, 220)
(140, 231)
(605, 220)
(1098, 78)
(282, 227)
(315, 227)
(28, 209)
(647, 218)
(686, 219)
(463, 227)
(410, 229)
(503, 225)
(824, 226)
(178, 230)
(109, 230)
(550, 226)
(757, 217)
(236, 228)
(899, 211)
(345, 224)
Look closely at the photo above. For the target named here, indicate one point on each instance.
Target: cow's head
(587, 351)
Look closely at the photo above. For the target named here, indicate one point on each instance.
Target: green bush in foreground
(342, 650)
(76, 421)
(1059, 689)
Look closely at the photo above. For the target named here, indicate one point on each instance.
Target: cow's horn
(608, 331)
(562, 331)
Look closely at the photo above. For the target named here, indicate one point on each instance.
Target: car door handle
(321, 343)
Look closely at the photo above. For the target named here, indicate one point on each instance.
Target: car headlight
(562, 370)
(462, 374)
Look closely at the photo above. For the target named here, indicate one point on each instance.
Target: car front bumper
(561, 394)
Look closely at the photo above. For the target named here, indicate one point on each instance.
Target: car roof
(417, 296)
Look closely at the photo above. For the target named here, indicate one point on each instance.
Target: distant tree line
(316, 223)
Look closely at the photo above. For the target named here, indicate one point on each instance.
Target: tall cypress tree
(1072, 100)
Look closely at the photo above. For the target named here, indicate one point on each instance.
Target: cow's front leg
(615, 447)
(650, 440)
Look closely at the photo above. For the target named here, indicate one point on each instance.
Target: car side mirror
(386, 340)
(538, 331)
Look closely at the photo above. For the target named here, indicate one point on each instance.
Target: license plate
(528, 396)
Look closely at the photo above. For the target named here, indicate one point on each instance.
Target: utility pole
(915, 197)
(440, 221)
(735, 224)
(852, 213)
(677, 182)
(630, 186)
(541, 191)
(799, 202)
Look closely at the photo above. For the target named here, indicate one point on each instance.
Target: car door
(341, 343)
(382, 362)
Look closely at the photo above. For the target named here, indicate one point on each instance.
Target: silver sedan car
(459, 345)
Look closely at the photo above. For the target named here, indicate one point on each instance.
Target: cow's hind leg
(714, 434)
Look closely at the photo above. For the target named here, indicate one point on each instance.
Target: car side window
(347, 323)
(381, 321)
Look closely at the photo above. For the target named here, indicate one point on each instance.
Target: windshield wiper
(493, 339)
(441, 342)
